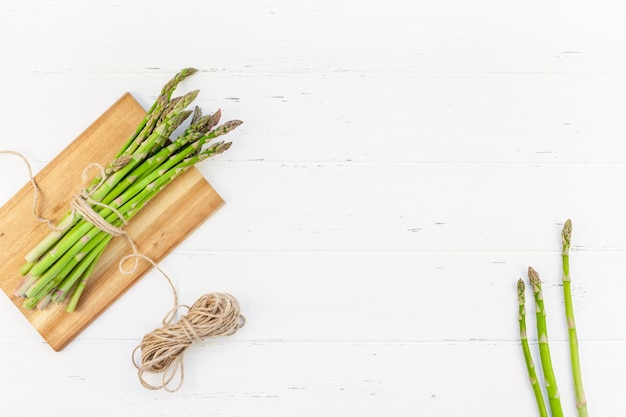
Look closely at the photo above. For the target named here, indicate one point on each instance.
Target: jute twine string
(82, 203)
(215, 314)
(162, 350)
(35, 188)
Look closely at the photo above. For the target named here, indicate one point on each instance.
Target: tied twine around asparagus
(82, 206)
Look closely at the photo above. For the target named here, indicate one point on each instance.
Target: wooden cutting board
(157, 229)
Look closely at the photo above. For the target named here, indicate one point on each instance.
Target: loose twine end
(213, 315)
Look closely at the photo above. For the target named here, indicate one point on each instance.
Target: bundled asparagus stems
(58, 268)
(554, 398)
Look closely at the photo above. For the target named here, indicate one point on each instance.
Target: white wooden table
(401, 164)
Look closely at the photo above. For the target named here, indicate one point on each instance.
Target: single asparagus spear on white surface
(581, 401)
(554, 398)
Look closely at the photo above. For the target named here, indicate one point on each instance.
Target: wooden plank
(157, 229)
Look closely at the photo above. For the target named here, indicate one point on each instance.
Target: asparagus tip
(170, 86)
(197, 114)
(227, 127)
(191, 96)
(118, 163)
(188, 71)
(566, 235)
(226, 146)
(216, 149)
(178, 119)
(521, 287)
(215, 118)
(533, 276)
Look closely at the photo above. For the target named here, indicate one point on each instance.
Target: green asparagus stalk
(60, 265)
(530, 365)
(83, 277)
(60, 269)
(581, 401)
(554, 398)
(84, 262)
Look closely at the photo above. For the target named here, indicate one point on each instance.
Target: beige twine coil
(162, 350)
(214, 314)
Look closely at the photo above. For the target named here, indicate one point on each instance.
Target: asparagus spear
(581, 401)
(89, 257)
(530, 365)
(84, 277)
(554, 398)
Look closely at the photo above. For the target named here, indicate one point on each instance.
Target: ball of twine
(215, 314)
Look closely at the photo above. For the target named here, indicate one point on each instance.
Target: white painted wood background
(401, 164)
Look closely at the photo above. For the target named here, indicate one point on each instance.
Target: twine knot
(162, 350)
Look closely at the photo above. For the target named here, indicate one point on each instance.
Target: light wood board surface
(161, 225)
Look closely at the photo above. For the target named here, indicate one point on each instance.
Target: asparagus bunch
(58, 268)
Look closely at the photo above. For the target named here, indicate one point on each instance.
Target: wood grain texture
(172, 215)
